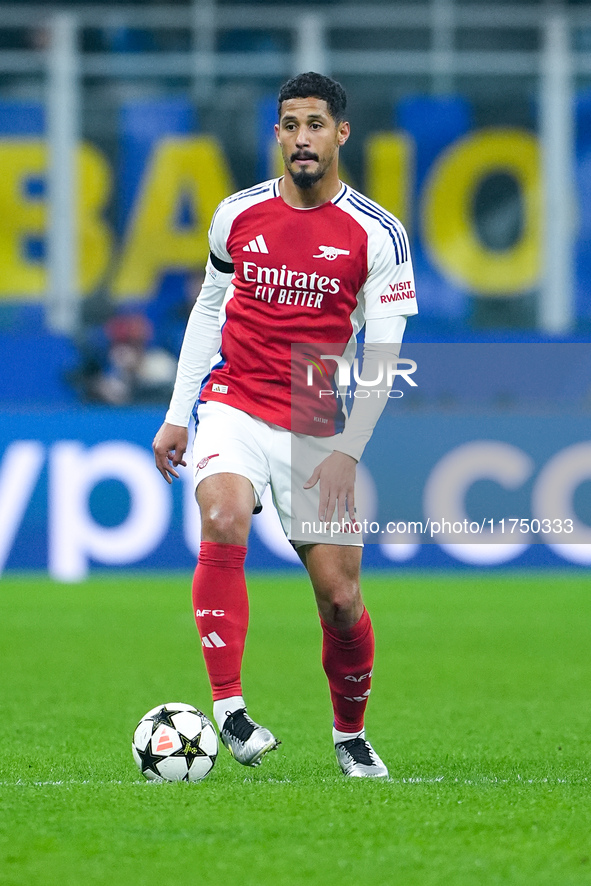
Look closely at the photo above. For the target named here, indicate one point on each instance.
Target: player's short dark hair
(316, 86)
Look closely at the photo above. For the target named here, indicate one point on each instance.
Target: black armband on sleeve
(226, 267)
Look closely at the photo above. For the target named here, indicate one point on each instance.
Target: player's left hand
(169, 447)
(336, 475)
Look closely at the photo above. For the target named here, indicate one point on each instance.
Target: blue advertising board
(79, 491)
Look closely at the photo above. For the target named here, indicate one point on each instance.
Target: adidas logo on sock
(363, 697)
(211, 640)
(256, 245)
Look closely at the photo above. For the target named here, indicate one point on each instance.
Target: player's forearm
(201, 342)
(366, 411)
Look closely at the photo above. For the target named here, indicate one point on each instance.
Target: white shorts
(229, 440)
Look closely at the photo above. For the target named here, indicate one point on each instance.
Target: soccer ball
(175, 742)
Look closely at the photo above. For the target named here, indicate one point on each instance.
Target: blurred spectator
(170, 307)
(129, 356)
(121, 366)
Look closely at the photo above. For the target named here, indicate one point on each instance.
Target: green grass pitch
(480, 708)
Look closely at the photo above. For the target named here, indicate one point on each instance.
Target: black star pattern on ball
(162, 717)
(190, 749)
(149, 759)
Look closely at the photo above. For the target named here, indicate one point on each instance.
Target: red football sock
(220, 606)
(347, 657)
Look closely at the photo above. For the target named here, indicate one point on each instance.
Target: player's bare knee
(340, 608)
(225, 525)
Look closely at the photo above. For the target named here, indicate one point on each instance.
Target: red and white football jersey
(300, 276)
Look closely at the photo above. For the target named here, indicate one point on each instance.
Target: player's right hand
(169, 446)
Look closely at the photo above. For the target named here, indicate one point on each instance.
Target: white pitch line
(410, 780)
(63, 783)
(485, 779)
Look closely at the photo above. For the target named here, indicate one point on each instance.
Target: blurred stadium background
(121, 128)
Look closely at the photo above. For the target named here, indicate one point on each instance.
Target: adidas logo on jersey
(212, 640)
(256, 245)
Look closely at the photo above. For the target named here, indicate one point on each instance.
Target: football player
(304, 259)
